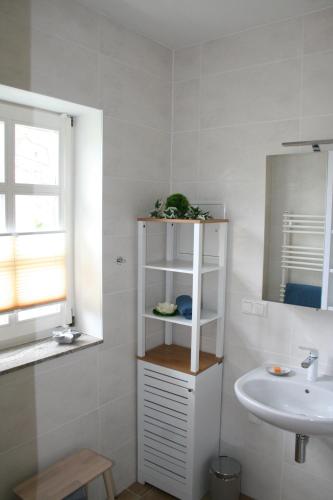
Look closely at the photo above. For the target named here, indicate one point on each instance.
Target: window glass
(2, 214)
(38, 312)
(2, 152)
(36, 213)
(36, 155)
(4, 319)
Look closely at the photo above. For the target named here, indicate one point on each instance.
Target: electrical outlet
(254, 307)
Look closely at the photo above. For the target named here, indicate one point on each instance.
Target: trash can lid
(225, 467)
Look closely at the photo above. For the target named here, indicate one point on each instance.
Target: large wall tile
(271, 334)
(135, 50)
(124, 469)
(67, 20)
(19, 11)
(117, 372)
(316, 126)
(319, 455)
(64, 69)
(74, 386)
(298, 485)
(185, 156)
(240, 430)
(261, 473)
(317, 84)
(318, 31)
(239, 153)
(15, 53)
(118, 422)
(269, 92)
(17, 465)
(255, 46)
(18, 414)
(134, 95)
(119, 277)
(77, 434)
(34, 404)
(126, 200)
(135, 152)
(119, 318)
(187, 63)
(186, 105)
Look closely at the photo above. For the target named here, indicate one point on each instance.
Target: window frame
(19, 331)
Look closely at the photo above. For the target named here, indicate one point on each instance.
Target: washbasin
(290, 403)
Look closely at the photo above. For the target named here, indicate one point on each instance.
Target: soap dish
(278, 371)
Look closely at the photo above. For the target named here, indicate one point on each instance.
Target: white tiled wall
(59, 48)
(256, 89)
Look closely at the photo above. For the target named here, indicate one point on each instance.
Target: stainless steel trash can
(225, 479)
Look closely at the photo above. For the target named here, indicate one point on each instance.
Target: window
(35, 222)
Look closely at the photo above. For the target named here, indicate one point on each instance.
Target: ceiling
(180, 23)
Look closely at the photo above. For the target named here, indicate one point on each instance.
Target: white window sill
(41, 350)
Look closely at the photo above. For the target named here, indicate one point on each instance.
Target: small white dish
(278, 371)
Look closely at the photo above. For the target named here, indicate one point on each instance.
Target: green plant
(177, 207)
(158, 210)
(196, 213)
(178, 201)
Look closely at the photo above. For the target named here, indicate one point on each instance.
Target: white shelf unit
(180, 389)
(196, 268)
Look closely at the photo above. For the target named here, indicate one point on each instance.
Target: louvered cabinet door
(165, 424)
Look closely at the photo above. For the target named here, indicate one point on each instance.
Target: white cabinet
(179, 388)
(178, 428)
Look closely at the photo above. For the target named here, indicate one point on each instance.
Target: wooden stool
(67, 476)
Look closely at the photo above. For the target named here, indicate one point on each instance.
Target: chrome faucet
(311, 363)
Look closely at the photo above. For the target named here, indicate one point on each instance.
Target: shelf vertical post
(170, 236)
(196, 296)
(142, 243)
(222, 278)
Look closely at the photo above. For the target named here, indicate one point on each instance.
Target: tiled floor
(138, 491)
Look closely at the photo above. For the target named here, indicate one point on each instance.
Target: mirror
(295, 216)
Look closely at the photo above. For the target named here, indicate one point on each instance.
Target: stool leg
(107, 476)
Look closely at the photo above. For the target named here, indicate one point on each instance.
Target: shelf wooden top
(178, 358)
(182, 221)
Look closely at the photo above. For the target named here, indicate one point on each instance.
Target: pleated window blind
(34, 218)
(32, 270)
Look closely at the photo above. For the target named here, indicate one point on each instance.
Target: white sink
(291, 403)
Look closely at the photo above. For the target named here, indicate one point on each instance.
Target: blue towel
(77, 495)
(184, 303)
(303, 295)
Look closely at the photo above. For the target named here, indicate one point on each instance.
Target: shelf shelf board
(180, 266)
(179, 358)
(182, 221)
(207, 316)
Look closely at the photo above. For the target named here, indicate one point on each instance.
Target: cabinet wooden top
(182, 221)
(178, 358)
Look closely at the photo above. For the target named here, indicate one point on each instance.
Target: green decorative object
(178, 201)
(196, 213)
(158, 211)
(177, 206)
(158, 313)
